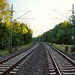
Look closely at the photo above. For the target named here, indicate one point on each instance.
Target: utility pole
(73, 48)
(72, 25)
(10, 32)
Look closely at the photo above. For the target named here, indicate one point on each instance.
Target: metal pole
(72, 25)
(10, 33)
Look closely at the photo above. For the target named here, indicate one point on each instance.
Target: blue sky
(43, 12)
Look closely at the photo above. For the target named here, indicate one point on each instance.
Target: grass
(5, 52)
(62, 47)
(24, 46)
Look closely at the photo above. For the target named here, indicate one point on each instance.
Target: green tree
(4, 31)
(4, 12)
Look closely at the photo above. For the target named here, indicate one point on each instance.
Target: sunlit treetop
(4, 12)
(31, 31)
(64, 24)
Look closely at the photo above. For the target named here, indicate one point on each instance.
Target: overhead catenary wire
(58, 4)
(18, 4)
(61, 15)
(18, 11)
(57, 18)
(28, 18)
(22, 15)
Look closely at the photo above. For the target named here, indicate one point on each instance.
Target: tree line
(21, 34)
(60, 34)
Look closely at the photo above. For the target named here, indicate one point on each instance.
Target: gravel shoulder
(37, 63)
(12, 54)
(68, 54)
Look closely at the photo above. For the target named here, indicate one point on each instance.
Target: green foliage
(28, 37)
(4, 12)
(61, 34)
(21, 34)
(18, 37)
(3, 35)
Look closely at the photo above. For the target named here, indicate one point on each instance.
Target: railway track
(12, 65)
(59, 64)
(15, 54)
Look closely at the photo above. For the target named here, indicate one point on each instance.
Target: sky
(42, 16)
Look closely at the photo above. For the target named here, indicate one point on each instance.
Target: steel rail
(63, 64)
(2, 61)
(12, 63)
(54, 62)
(68, 58)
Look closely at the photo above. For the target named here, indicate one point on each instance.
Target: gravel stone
(37, 63)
